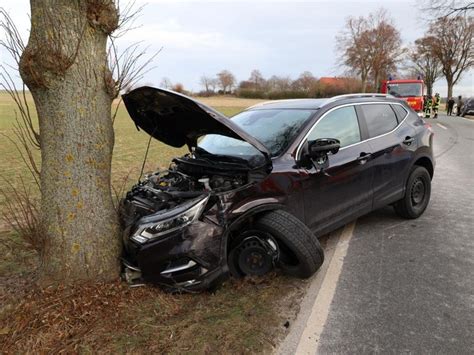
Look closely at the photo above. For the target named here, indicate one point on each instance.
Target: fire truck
(409, 90)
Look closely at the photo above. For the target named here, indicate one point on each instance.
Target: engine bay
(186, 178)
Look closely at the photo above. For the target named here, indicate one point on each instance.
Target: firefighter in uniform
(427, 106)
(436, 102)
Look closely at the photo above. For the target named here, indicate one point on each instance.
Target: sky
(277, 37)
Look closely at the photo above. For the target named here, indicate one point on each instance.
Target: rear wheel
(417, 194)
(279, 239)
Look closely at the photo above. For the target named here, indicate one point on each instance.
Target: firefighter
(436, 102)
(427, 106)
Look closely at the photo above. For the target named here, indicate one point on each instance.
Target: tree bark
(363, 82)
(449, 81)
(65, 67)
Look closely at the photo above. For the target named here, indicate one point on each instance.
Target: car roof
(314, 104)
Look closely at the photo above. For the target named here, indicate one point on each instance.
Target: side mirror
(315, 152)
(322, 146)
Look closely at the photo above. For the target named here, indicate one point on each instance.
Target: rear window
(400, 112)
(380, 119)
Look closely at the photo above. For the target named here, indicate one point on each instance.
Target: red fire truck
(409, 90)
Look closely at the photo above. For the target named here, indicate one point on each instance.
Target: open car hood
(176, 119)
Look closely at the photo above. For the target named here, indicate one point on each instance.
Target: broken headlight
(161, 223)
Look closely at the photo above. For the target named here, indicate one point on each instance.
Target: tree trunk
(450, 86)
(364, 82)
(429, 88)
(376, 82)
(65, 67)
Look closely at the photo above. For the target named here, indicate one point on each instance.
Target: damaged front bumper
(187, 258)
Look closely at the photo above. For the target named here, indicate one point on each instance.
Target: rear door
(392, 142)
(343, 190)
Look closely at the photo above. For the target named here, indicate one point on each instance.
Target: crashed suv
(256, 191)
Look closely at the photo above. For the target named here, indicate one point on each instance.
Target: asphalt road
(407, 286)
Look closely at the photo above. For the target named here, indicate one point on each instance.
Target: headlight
(161, 223)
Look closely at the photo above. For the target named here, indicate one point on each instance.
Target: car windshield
(275, 129)
(405, 89)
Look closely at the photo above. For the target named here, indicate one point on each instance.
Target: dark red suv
(255, 191)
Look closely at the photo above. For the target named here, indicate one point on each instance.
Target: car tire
(301, 254)
(417, 194)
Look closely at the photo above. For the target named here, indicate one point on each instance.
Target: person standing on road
(450, 106)
(427, 106)
(460, 105)
(436, 102)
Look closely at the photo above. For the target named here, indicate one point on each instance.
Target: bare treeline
(278, 87)
(371, 47)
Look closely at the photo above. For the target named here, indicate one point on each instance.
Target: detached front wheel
(417, 194)
(278, 239)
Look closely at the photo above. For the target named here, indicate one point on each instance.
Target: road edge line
(309, 340)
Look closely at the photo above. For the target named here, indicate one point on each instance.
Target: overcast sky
(276, 37)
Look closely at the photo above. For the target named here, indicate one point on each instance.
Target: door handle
(364, 157)
(408, 140)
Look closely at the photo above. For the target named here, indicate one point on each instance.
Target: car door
(391, 142)
(343, 190)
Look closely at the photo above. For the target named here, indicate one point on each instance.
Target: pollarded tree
(65, 67)
(451, 41)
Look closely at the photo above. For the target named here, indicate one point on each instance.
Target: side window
(341, 124)
(380, 119)
(400, 112)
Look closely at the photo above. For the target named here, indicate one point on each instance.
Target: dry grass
(244, 316)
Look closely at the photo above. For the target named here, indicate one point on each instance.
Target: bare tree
(386, 46)
(353, 47)
(226, 80)
(214, 84)
(279, 83)
(446, 8)
(73, 79)
(451, 42)
(206, 83)
(305, 82)
(166, 83)
(256, 79)
(370, 46)
(423, 62)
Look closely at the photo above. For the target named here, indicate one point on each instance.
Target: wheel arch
(426, 163)
(247, 216)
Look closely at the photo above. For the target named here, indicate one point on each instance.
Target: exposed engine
(187, 178)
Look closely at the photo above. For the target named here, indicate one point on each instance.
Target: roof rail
(358, 95)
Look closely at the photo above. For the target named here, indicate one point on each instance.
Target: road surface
(401, 286)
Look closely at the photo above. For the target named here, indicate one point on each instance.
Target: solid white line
(467, 119)
(442, 126)
(309, 340)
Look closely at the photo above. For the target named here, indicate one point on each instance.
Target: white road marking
(467, 119)
(442, 126)
(311, 335)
